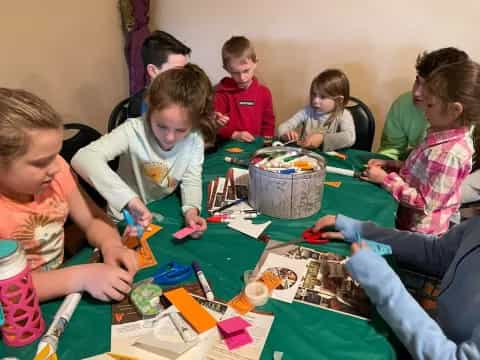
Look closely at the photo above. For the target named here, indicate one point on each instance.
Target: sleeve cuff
(350, 228)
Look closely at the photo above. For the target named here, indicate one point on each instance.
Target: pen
(203, 281)
(60, 322)
(238, 201)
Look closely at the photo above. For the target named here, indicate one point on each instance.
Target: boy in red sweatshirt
(241, 97)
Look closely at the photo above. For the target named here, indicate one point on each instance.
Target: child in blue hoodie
(454, 257)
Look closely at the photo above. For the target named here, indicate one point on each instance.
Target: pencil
(238, 201)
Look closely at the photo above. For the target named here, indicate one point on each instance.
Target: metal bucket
(286, 196)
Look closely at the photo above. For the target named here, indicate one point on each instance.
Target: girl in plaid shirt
(427, 184)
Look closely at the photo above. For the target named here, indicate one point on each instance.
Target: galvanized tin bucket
(286, 196)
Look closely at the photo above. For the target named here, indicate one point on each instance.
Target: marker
(346, 172)
(203, 281)
(60, 322)
(236, 161)
(238, 201)
(220, 218)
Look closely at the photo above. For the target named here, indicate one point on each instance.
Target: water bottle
(23, 321)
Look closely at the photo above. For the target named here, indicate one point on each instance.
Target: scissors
(130, 221)
(308, 236)
(172, 273)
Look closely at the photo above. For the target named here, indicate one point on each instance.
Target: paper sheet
(291, 271)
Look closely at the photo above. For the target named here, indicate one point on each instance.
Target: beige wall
(68, 52)
(374, 42)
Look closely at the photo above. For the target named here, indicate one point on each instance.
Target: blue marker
(129, 220)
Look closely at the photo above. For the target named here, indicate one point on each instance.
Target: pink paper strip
(180, 234)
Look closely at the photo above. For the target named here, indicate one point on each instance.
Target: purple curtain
(136, 32)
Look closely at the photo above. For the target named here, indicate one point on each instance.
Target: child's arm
(221, 105)
(344, 137)
(292, 124)
(91, 163)
(104, 282)
(268, 116)
(191, 187)
(441, 179)
(426, 253)
(420, 334)
(100, 231)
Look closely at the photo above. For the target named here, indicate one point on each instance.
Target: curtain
(135, 19)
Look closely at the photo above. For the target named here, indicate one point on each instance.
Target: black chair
(84, 135)
(364, 124)
(119, 114)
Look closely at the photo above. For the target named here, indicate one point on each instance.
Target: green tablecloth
(299, 331)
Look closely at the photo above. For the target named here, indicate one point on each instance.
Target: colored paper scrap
(199, 318)
(335, 184)
(234, 332)
(180, 234)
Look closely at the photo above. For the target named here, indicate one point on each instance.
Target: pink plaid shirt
(428, 185)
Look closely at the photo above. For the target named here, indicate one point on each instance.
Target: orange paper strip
(191, 310)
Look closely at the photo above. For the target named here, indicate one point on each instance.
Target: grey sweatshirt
(339, 134)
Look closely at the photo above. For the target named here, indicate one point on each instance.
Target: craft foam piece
(191, 310)
(378, 248)
(335, 184)
(235, 150)
(180, 234)
(234, 332)
(248, 228)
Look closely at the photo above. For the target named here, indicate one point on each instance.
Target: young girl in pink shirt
(427, 184)
(37, 193)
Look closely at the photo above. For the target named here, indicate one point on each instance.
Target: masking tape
(257, 293)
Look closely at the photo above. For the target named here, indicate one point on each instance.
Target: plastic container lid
(7, 247)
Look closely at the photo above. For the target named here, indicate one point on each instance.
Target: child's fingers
(355, 248)
(114, 294)
(333, 235)
(122, 287)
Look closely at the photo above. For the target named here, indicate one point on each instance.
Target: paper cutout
(235, 150)
(180, 234)
(248, 228)
(46, 354)
(191, 310)
(234, 332)
(291, 271)
(145, 257)
(335, 184)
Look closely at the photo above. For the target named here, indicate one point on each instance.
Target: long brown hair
(332, 83)
(460, 82)
(190, 88)
(21, 110)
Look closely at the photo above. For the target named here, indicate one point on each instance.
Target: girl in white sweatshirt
(158, 151)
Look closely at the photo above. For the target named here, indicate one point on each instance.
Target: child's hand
(244, 136)
(290, 136)
(374, 174)
(312, 141)
(221, 119)
(105, 282)
(391, 164)
(325, 222)
(194, 220)
(140, 212)
(120, 255)
(357, 246)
